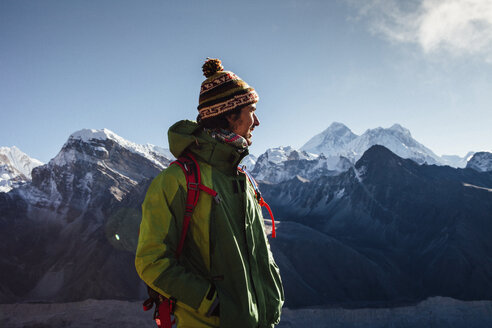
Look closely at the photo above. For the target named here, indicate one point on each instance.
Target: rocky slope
(386, 230)
(59, 225)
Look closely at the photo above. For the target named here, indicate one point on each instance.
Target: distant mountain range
(282, 163)
(338, 140)
(387, 230)
(337, 148)
(351, 230)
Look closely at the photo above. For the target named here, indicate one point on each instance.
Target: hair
(220, 121)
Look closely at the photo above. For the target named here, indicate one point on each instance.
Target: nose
(256, 120)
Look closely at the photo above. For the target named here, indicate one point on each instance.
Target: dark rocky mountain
(386, 230)
(58, 232)
(394, 231)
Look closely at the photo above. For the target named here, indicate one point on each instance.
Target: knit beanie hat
(222, 91)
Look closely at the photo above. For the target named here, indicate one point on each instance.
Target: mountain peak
(97, 138)
(378, 156)
(397, 127)
(19, 160)
(481, 162)
(385, 131)
(331, 140)
(337, 126)
(90, 134)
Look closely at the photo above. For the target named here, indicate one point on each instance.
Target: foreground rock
(434, 312)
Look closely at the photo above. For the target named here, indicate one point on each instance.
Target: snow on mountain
(249, 162)
(158, 150)
(481, 162)
(70, 212)
(428, 213)
(151, 152)
(19, 160)
(284, 163)
(8, 177)
(338, 140)
(398, 140)
(282, 154)
(340, 148)
(90, 162)
(457, 161)
(331, 142)
(15, 167)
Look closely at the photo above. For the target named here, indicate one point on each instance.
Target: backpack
(164, 307)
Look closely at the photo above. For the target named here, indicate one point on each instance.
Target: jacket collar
(188, 136)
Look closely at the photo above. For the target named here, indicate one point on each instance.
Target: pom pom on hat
(212, 66)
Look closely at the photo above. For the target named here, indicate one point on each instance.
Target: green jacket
(226, 248)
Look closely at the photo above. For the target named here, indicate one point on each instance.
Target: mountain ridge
(397, 138)
(383, 230)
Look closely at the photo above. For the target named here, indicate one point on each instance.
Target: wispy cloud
(458, 27)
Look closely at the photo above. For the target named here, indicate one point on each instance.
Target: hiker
(216, 270)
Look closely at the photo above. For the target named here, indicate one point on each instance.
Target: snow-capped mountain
(331, 142)
(336, 149)
(94, 137)
(15, 167)
(284, 163)
(63, 223)
(91, 162)
(281, 154)
(249, 162)
(339, 140)
(337, 144)
(386, 229)
(398, 140)
(457, 161)
(481, 162)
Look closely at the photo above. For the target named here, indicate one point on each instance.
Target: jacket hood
(189, 136)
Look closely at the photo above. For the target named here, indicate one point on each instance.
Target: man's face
(245, 123)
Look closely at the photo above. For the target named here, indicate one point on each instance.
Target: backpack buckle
(193, 186)
(217, 199)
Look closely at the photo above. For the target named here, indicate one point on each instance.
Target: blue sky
(134, 67)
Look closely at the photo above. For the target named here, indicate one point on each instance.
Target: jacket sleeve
(159, 235)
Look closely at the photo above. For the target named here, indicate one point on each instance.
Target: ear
(231, 119)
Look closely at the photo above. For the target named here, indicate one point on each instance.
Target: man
(226, 275)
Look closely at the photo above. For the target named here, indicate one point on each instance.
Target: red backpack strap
(164, 307)
(191, 170)
(260, 199)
